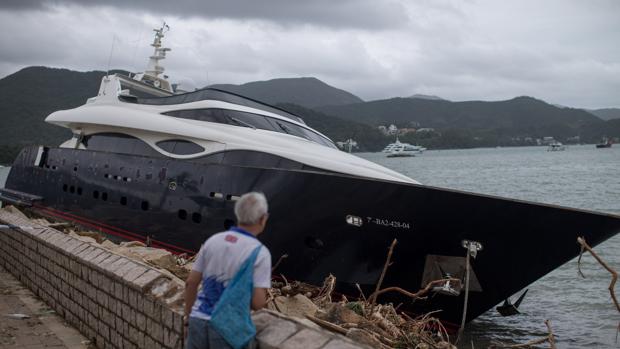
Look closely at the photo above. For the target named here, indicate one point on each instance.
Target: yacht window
(180, 147)
(118, 143)
(244, 119)
(219, 95)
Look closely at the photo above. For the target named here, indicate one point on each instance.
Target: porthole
(104, 196)
(64, 187)
(196, 217)
(75, 169)
(182, 214)
(71, 189)
(144, 205)
(96, 194)
(123, 200)
(79, 190)
(106, 175)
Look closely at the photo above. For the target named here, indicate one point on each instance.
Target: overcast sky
(562, 51)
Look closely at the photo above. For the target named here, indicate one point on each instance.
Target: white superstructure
(399, 146)
(113, 111)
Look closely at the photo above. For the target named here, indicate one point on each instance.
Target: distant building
(426, 129)
(388, 131)
(347, 145)
(405, 130)
(548, 140)
(392, 129)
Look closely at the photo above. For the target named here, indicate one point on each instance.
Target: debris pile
(363, 320)
(377, 325)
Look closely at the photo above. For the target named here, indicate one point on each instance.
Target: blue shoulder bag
(231, 316)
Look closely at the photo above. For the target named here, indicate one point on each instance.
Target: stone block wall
(115, 301)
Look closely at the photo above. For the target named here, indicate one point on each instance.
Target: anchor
(508, 309)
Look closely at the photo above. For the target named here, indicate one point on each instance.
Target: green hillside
(28, 96)
(484, 123)
(307, 92)
(606, 113)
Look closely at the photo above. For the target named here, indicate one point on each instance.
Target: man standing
(217, 262)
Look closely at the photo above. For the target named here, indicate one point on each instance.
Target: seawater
(581, 311)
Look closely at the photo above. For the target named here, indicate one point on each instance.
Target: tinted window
(218, 95)
(180, 147)
(244, 119)
(118, 143)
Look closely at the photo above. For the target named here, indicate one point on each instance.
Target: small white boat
(404, 150)
(556, 146)
(399, 147)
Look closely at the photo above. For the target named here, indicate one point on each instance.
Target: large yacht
(399, 146)
(145, 163)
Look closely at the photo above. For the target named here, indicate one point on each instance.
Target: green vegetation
(28, 96)
(306, 92)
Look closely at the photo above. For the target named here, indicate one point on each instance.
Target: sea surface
(581, 311)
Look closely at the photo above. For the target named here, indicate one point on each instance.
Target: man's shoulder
(231, 237)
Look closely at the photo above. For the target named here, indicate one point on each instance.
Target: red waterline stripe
(92, 221)
(112, 230)
(116, 229)
(100, 224)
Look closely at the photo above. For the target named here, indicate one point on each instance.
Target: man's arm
(259, 298)
(191, 289)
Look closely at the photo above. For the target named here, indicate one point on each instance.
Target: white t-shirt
(219, 260)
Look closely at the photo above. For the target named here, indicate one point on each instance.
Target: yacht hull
(325, 222)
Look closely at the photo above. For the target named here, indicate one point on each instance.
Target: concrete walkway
(41, 328)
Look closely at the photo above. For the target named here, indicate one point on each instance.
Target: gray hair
(250, 208)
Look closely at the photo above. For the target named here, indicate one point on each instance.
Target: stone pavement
(41, 329)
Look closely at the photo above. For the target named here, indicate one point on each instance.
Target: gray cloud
(564, 52)
(367, 14)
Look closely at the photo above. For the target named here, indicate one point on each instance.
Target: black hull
(180, 204)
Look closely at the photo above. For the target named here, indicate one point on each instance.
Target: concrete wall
(118, 302)
(114, 301)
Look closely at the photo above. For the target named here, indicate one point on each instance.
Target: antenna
(110, 57)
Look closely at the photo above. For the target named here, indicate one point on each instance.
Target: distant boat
(556, 146)
(399, 146)
(404, 150)
(605, 143)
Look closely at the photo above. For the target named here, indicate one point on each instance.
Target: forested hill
(606, 113)
(307, 92)
(28, 96)
(517, 117)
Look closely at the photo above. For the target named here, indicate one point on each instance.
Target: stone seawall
(113, 300)
(119, 302)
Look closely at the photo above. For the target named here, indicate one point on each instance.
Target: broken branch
(614, 274)
(416, 295)
(373, 297)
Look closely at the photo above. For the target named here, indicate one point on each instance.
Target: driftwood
(614, 275)
(328, 325)
(373, 297)
(275, 266)
(416, 295)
